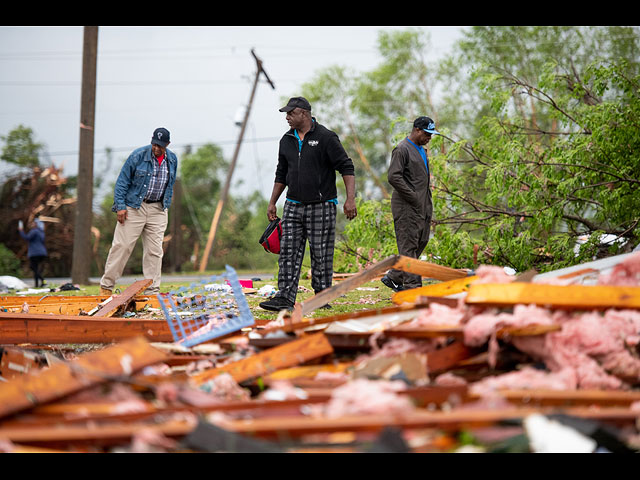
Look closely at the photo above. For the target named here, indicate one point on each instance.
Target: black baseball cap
(296, 102)
(161, 137)
(426, 124)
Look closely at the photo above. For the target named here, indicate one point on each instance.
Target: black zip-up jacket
(310, 174)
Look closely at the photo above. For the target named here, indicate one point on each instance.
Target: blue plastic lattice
(208, 309)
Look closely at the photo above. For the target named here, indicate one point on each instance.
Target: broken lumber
(399, 262)
(452, 420)
(30, 328)
(292, 353)
(103, 435)
(65, 378)
(428, 270)
(66, 305)
(310, 322)
(579, 297)
(442, 289)
(121, 301)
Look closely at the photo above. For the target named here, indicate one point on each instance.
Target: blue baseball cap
(426, 124)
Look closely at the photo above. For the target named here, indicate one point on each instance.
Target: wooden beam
(122, 300)
(442, 289)
(65, 378)
(432, 331)
(451, 420)
(399, 262)
(363, 314)
(603, 398)
(15, 300)
(428, 270)
(103, 435)
(582, 297)
(29, 328)
(345, 286)
(295, 352)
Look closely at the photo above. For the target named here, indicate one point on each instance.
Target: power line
(174, 147)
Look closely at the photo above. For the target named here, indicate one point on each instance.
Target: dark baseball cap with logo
(296, 102)
(426, 124)
(161, 137)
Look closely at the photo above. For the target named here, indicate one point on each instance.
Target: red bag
(270, 239)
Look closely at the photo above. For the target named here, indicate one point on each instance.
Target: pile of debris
(42, 192)
(479, 361)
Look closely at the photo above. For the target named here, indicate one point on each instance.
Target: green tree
(20, 148)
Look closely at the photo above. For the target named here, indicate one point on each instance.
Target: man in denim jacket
(142, 197)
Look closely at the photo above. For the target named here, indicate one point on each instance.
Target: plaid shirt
(158, 181)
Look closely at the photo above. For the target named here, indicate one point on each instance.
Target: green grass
(368, 296)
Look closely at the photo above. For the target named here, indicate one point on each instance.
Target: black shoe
(275, 304)
(391, 284)
(326, 306)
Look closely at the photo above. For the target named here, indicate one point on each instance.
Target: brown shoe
(106, 292)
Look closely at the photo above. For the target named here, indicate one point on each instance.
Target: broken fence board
(579, 297)
(290, 354)
(64, 378)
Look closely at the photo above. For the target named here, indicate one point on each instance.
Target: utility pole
(225, 190)
(81, 260)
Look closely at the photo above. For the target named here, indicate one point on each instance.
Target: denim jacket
(132, 183)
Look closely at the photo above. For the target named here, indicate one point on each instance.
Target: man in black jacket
(308, 158)
(411, 205)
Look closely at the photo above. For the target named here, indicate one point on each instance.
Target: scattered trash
(267, 291)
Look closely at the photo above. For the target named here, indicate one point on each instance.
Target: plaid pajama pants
(314, 222)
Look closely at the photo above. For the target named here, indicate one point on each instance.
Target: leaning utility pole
(81, 260)
(225, 190)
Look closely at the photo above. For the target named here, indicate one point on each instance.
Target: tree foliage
(20, 147)
(544, 154)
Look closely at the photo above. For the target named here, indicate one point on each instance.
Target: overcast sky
(191, 80)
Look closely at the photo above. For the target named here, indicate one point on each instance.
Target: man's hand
(350, 203)
(349, 209)
(272, 212)
(122, 216)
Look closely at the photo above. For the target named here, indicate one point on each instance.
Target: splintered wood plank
(554, 296)
(345, 286)
(605, 398)
(428, 270)
(432, 331)
(451, 420)
(95, 435)
(65, 305)
(362, 314)
(65, 378)
(442, 289)
(16, 361)
(447, 357)
(122, 300)
(31, 328)
(295, 352)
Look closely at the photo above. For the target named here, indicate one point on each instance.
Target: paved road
(168, 278)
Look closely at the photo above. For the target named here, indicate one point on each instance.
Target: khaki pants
(150, 222)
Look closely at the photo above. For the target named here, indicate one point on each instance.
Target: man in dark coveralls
(411, 205)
